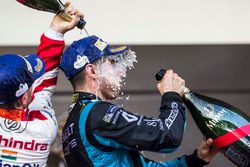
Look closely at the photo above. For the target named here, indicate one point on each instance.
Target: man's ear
(23, 101)
(91, 71)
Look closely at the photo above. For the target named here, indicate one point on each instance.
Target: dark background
(220, 71)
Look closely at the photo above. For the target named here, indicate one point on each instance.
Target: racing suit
(27, 135)
(99, 133)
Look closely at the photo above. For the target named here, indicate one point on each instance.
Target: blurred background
(206, 42)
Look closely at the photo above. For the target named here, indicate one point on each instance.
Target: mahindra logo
(23, 145)
(13, 126)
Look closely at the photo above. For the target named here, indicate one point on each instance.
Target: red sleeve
(50, 51)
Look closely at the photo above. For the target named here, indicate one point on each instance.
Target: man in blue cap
(100, 133)
(28, 125)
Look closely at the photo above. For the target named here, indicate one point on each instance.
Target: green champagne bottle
(53, 6)
(225, 124)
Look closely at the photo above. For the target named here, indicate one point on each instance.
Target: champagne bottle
(53, 6)
(225, 124)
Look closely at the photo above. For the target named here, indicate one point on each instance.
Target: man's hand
(61, 25)
(171, 82)
(206, 151)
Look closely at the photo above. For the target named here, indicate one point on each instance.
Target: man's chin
(114, 92)
(114, 95)
(111, 98)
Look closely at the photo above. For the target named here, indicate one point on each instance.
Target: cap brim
(37, 64)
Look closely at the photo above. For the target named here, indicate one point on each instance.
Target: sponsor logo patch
(23, 145)
(29, 67)
(118, 49)
(129, 117)
(101, 45)
(39, 65)
(80, 61)
(110, 113)
(171, 118)
(69, 142)
(116, 117)
(10, 125)
(22, 89)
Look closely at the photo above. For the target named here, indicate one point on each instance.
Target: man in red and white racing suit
(28, 131)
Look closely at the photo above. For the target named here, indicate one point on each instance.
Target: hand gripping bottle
(225, 124)
(53, 6)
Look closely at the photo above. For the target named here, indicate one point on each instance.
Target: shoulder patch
(110, 113)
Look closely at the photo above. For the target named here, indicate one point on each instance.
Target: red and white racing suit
(27, 135)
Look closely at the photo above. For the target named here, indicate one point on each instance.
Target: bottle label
(232, 136)
(238, 159)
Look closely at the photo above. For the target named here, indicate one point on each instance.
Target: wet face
(111, 75)
(112, 72)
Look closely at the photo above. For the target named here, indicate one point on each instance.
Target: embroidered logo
(110, 113)
(80, 61)
(118, 49)
(13, 126)
(129, 117)
(39, 65)
(171, 118)
(29, 67)
(22, 89)
(101, 45)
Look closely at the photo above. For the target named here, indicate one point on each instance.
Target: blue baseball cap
(17, 74)
(85, 51)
